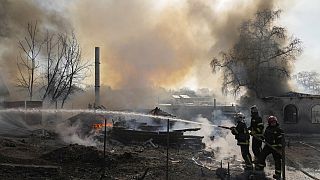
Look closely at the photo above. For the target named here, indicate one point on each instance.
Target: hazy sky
(302, 20)
(158, 28)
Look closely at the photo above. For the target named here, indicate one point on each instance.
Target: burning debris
(99, 126)
(166, 46)
(141, 130)
(143, 149)
(176, 137)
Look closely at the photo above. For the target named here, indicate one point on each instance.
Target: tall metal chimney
(97, 76)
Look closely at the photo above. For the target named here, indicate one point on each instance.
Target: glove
(252, 133)
(233, 130)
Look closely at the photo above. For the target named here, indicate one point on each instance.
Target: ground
(35, 157)
(62, 161)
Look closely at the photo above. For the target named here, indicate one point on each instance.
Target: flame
(100, 125)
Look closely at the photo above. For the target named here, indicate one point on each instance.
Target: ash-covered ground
(66, 154)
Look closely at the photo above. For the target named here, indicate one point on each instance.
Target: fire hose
(297, 165)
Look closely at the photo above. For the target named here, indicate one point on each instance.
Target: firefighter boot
(248, 167)
(277, 176)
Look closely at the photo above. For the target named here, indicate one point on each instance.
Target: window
(315, 114)
(290, 114)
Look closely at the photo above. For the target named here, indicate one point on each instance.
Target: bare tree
(27, 62)
(64, 68)
(310, 81)
(260, 60)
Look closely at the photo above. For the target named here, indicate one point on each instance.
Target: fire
(100, 125)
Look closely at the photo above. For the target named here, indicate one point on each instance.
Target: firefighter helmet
(254, 109)
(272, 120)
(239, 117)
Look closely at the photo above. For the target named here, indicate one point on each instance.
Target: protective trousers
(276, 156)
(246, 155)
(256, 147)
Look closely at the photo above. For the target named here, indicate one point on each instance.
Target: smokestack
(97, 76)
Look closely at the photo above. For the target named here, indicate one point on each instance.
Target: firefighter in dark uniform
(242, 136)
(273, 136)
(256, 130)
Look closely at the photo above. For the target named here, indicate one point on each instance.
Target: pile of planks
(176, 137)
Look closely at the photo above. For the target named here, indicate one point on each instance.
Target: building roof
(176, 96)
(292, 94)
(297, 94)
(184, 96)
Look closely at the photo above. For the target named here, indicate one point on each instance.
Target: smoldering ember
(161, 89)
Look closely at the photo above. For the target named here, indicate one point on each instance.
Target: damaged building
(190, 106)
(298, 113)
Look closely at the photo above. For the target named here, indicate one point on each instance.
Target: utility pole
(104, 139)
(283, 157)
(168, 126)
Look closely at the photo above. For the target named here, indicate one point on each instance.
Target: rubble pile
(176, 137)
(75, 153)
(27, 171)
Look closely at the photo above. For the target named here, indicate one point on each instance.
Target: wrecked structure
(207, 111)
(132, 131)
(298, 113)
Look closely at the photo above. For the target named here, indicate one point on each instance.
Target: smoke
(13, 125)
(14, 17)
(148, 44)
(120, 99)
(144, 44)
(72, 134)
(262, 56)
(224, 144)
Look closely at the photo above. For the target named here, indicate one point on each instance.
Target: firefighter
(273, 136)
(242, 136)
(256, 130)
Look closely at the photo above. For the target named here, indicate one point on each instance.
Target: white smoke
(14, 125)
(72, 134)
(224, 144)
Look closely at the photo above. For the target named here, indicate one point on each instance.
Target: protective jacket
(273, 135)
(241, 133)
(257, 126)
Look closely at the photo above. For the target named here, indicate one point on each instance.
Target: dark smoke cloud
(121, 99)
(14, 17)
(143, 47)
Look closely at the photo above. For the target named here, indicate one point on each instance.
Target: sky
(166, 43)
(302, 20)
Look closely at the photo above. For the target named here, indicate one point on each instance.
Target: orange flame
(100, 125)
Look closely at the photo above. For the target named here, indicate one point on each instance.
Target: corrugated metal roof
(185, 96)
(176, 96)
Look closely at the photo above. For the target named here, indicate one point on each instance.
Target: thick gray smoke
(261, 59)
(13, 125)
(144, 44)
(14, 17)
(168, 46)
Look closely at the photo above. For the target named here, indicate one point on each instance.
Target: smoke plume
(14, 17)
(144, 44)
(224, 144)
